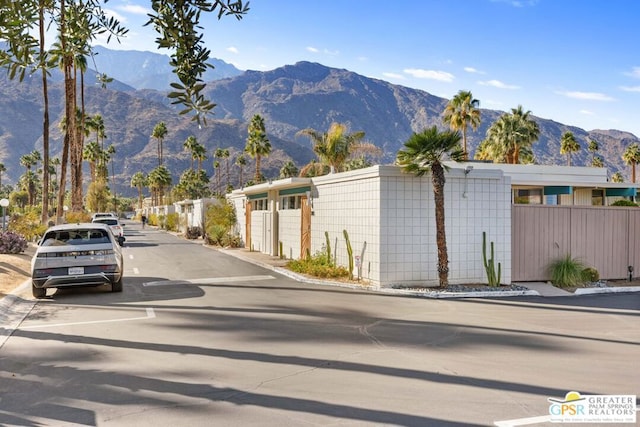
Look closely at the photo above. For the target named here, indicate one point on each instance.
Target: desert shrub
(318, 265)
(624, 202)
(75, 217)
(568, 272)
(219, 221)
(12, 243)
(231, 240)
(193, 232)
(27, 225)
(591, 274)
(152, 219)
(171, 221)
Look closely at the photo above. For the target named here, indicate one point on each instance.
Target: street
(200, 338)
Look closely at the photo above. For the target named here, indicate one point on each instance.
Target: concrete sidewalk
(274, 263)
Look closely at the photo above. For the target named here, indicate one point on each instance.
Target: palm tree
(91, 153)
(159, 132)
(597, 162)
(336, 146)
(460, 113)
(189, 145)
(631, 156)
(593, 148)
(3, 168)
(288, 170)
(225, 155)
(423, 153)
(569, 145)
(617, 177)
(241, 162)
(258, 144)
(159, 179)
(200, 154)
(139, 181)
(510, 138)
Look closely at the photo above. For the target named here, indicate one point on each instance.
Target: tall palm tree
(241, 162)
(159, 179)
(159, 133)
(569, 145)
(189, 145)
(199, 153)
(593, 148)
(91, 153)
(139, 181)
(631, 156)
(258, 144)
(225, 155)
(424, 153)
(460, 113)
(3, 169)
(337, 145)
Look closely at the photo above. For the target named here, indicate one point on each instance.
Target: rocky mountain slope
(290, 98)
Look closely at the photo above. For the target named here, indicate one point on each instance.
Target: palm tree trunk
(45, 124)
(438, 180)
(257, 177)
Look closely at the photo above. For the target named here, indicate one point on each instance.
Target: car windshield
(75, 237)
(108, 221)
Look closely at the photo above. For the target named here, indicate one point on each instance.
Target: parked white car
(116, 227)
(103, 215)
(83, 254)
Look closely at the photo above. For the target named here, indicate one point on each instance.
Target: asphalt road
(199, 338)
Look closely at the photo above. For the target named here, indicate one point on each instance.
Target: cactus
(349, 253)
(326, 236)
(493, 279)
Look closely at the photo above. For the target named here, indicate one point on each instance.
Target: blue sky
(573, 61)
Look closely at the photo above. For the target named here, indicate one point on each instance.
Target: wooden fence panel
(605, 238)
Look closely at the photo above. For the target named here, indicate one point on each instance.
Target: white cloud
(232, 49)
(587, 112)
(498, 84)
(630, 88)
(473, 70)
(442, 76)
(635, 73)
(312, 49)
(394, 76)
(113, 14)
(134, 9)
(586, 96)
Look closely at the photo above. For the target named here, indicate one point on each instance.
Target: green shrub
(219, 221)
(318, 265)
(171, 221)
(591, 274)
(27, 225)
(568, 272)
(624, 202)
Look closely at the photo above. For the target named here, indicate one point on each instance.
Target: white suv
(84, 254)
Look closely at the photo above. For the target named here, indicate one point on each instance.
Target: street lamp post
(4, 203)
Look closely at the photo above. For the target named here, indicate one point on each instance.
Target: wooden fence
(607, 238)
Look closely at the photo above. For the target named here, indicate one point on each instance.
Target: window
(259, 204)
(529, 196)
(597, 197)
(290, 202)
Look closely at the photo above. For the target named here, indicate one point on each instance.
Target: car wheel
(117, 286)
(38, 292)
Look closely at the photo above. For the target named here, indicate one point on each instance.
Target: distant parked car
(103, 215)
(115, 225)
(69, 255)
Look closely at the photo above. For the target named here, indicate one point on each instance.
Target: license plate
(76, 270)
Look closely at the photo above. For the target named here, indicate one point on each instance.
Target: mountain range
(290, 98)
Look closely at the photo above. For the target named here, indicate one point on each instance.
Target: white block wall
(289, 228)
